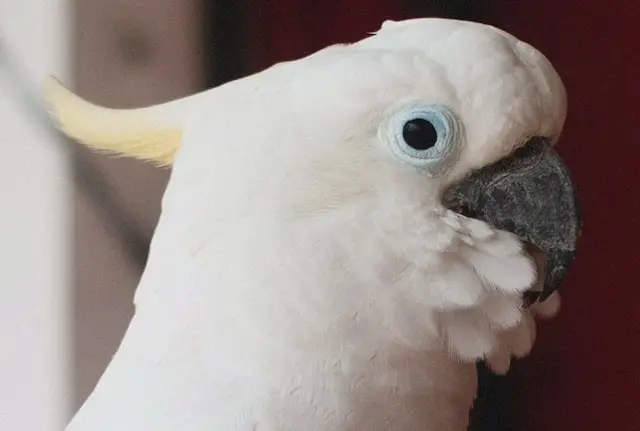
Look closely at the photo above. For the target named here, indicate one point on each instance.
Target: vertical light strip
(35, 228)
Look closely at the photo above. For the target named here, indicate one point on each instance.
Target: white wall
(35, 226)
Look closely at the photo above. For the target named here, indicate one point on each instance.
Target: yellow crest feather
(130, 132)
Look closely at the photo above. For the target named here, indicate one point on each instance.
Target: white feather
(301, 277)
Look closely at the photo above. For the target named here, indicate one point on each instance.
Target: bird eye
(419, 134)
(423, 135)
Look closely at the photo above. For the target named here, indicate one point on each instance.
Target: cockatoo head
(401, 171)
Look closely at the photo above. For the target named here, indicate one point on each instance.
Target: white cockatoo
(342, 237)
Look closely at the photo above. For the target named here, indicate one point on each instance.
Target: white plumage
(302, 277)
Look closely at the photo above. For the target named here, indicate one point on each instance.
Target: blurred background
(75, 226)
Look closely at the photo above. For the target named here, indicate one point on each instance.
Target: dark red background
(584, 373)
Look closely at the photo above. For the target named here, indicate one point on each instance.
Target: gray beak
(530, 194)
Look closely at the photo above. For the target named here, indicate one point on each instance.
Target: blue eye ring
(437, 156)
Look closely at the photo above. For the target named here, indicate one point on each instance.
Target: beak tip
(531, 195)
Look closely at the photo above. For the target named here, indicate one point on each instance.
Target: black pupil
(419, 134)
